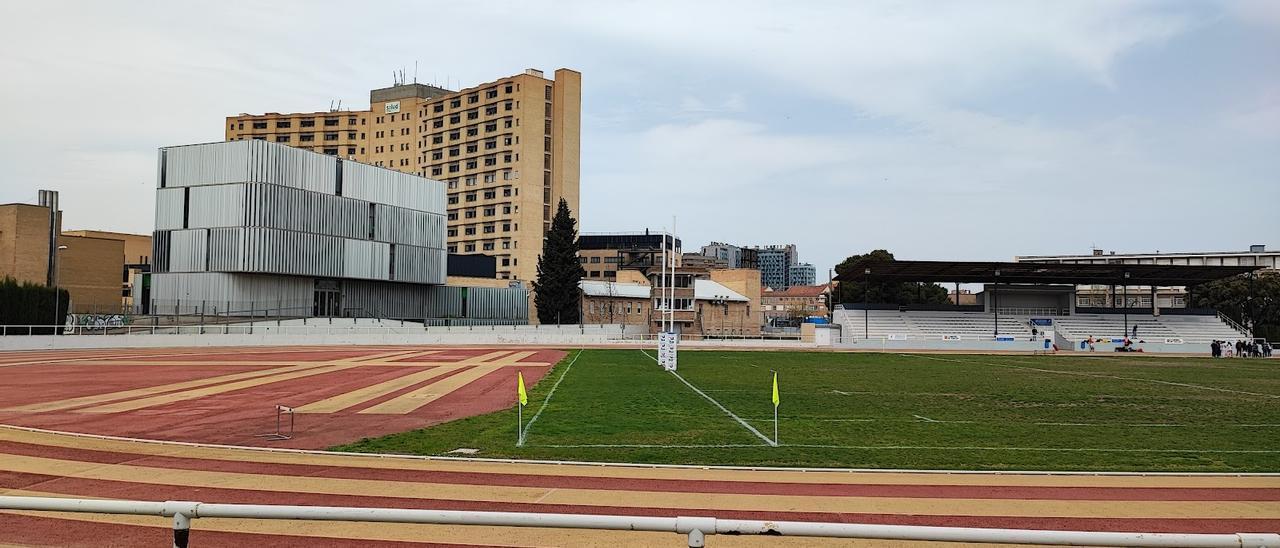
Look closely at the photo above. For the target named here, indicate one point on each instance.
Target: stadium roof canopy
(1042, 273)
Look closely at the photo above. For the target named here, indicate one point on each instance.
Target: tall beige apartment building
(507, 150)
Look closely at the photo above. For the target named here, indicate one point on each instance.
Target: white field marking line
(636, 465)
(545, 495)
(923, 418)
(910, 448)
(552, 392)
(744, 424)
(1098, 376)
(842, 393)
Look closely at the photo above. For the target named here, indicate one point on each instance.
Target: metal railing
(315, 326)
(1234, 325)
(695, 529)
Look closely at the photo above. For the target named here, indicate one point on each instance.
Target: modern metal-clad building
(251, 227)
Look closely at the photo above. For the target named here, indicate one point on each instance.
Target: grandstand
(1071, 329)
(1019, 294)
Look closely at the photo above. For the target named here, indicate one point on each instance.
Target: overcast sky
(937, 130)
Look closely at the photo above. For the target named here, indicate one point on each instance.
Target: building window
(490, 211)
(437, 123)
(453, 168)
(307, 123)
(436, 171)
(489, 111)
(455, 119)
(470, 248)
(284, 124)
(471, 164)
(259, 125)
(454, 136)
(595, 260)
(471, 197)
(437, 155)
(472, 132)
(455, 103)
(331, 151)
(490, 127)
(307, 137)
(453, 200)
(454, 152)
(490, 229)
(437, 139)
(471, 148)
(351, 150)
(330, 122)
(331, 136)
(470, 231)
(473, 98)
(282, 139)
(508, 90)
(491, 94)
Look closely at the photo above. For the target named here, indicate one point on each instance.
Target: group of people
(1241, 349)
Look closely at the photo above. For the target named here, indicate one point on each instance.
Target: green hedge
(30, 304)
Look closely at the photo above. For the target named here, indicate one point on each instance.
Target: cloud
(936, 129)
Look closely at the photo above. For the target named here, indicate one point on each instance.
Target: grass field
(1098, 412)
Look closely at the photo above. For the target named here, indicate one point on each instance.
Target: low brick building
(795, 302)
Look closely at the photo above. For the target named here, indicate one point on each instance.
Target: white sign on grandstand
(1174, 340)
(668, 344)
(951, 337)
(897, 337)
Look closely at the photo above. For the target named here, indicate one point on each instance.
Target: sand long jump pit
(230, 395)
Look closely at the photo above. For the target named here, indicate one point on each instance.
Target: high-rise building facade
(801, 274)
(507, 151)
(775, 265)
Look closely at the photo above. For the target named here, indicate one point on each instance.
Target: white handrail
(695, 528)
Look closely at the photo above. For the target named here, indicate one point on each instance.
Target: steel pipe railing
(694, 528)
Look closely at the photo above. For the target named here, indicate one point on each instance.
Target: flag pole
(519, 424)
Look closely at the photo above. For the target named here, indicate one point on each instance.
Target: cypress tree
(556, 290)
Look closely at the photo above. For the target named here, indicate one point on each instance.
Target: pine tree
(556, 293)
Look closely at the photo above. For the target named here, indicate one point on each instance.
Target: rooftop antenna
(415, 71)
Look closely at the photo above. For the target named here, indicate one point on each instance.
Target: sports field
(1096, 412)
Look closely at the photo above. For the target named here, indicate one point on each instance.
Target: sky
(936, 130)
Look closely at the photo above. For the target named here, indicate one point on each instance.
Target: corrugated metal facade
(481, 303)
(309, 224)
(224, 293)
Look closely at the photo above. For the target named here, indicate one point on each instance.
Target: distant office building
(90, 265)
(698, 260)
(801, 274)
(257, 228)
(732, 255)
(603, 255)
(775, 265)
(1166, 297)
(507, 151)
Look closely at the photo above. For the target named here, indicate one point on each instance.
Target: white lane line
(713, 401)
(1099, 376)
(915, 448)
(552, 392)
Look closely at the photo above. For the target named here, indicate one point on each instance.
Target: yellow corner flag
(524, 398)
(775, 389)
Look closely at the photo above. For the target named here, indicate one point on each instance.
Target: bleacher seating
(934, 325)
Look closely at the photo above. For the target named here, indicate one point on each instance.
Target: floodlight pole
(866, 316)
(996, 303)
(1124, 289)
(58, 319)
